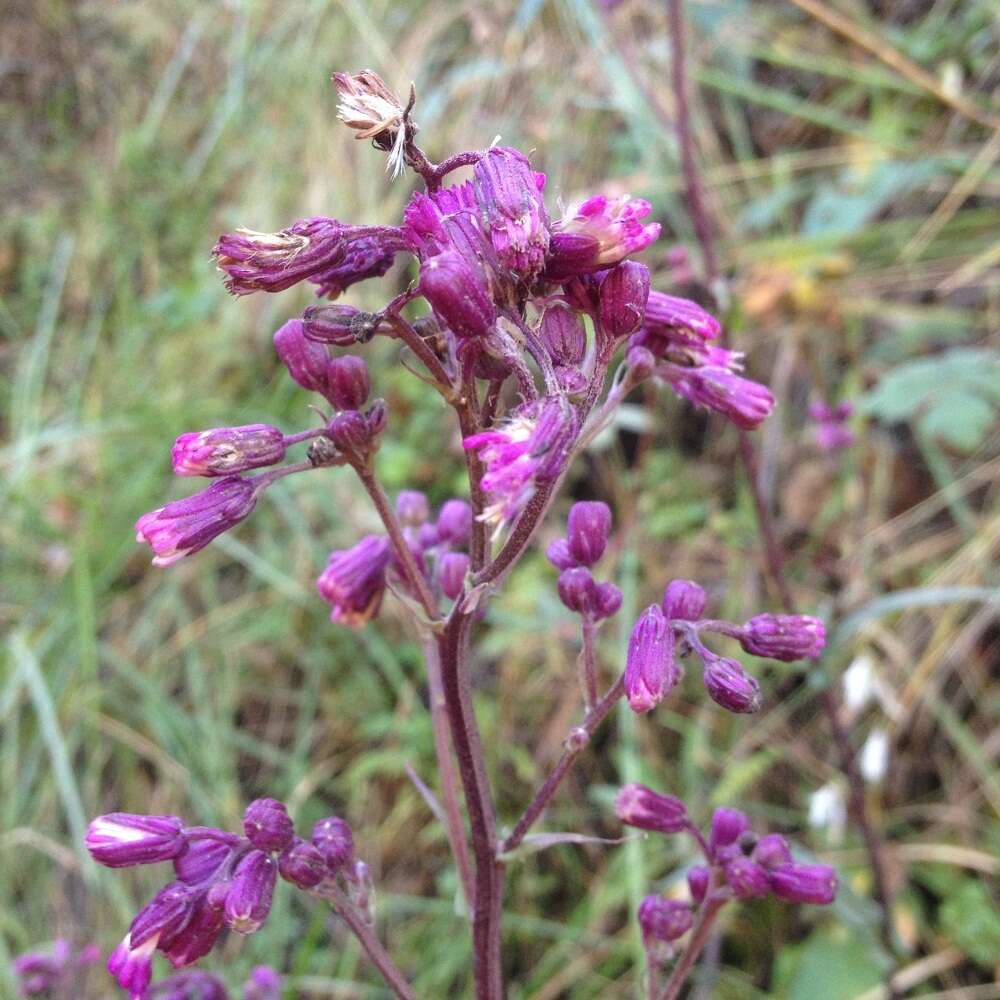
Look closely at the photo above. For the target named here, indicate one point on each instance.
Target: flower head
(684, 600)
(676, 327)
(784, 637)
(622, 301)
(651, 669)
(264, 984)
(267, 825)
(599, 233)
(353, 582)
(729, 685)
(248, 900)
(333, 838)
(804, 883)
(183, 527)
(641, 807)
(222, 451)
(369, 107)
(458, 294)
(120, 840)
(742, 401)
(587, 530)
(663, 919)
(302, 864)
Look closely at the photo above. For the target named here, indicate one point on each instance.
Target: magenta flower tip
(588, 529)
(805, 883)
(248, 900)
(684, 600)
(651, 669)
(119, 840)
(784, 637)
(727, 827)
(663, 919)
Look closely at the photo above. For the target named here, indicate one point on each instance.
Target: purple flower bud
(599, 233)
(804, 883)
(339, 324)
(458, 294)
(684, 600)
(743, 402)
(454, 523)
(746, 878)
(119, 840)
(559, 555)
(427, 536)
(248, 901)
(201, 860)
(333, 838)
(183, 527)
(412, 508)
(369, 251)
(307, 361)
(164, 916)
(264, 984)
(639, 806)
(267, 825)
(651, 670)
(40, 974)
(376, 416)
(607, 601)
(132, 967)
(641, 363)
(784, 637)
(350, 432)
(730, 686)
(509, 195)
(589, 526)
(699, 878)
(451, 571)
(194, 985)
(663, 919)
(353, 582)
(577, 590)
(623, 300)
(772, 850)
(679, 322)
(727, 827)
(222, 451)
(349, 383)
(562, 332)
(198, 936)
(302, 865)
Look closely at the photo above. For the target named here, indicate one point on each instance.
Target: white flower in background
(828, 810)
(860, 683)
(874, 759)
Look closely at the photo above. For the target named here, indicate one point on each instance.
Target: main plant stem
(771, 543)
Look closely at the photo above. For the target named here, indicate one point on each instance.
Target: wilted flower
(369, 107)
(743, 402)
(353, 582)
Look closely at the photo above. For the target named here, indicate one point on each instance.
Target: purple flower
(119, 840)
(222, 451)
(349, 382)
(599, 233)
(353, 582)
(562, 333)
(509, 195)
(831, 430)
(672, 325)
(684, 600)
(746, 878)
(248, 900)
(651, 670)
(132, 967)
(530, 447)
(743, 402)
(194, 985)
(341, 325)
(728, 825)
(365, 255)
(354, 433)
(302, 865)
(267, 825)
(639, 806)
(577, 590)
(729, 685)
(457, 294)
(264, 984)
(42, 974)
(559, 555)
(607, 601)
(448, 219)
(199, 934)
(333, 838)
(452, 569)
(588, 528)
(771, 851)
(306, 360)
(784, 637)
(804, 883)
(663, 919)
(622, 301)
(698, 879)
(183, 527)
(201, 860)
(412, 508)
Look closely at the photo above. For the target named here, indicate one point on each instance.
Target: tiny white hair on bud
(873, 761)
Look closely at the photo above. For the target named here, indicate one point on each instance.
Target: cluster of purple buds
(51, 975)
(587, 531)
(738, 864)
(830, 425)
(264, 984)
(222, 880)
(355, 579)
(669, 630)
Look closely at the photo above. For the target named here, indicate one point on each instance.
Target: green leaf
(834, 964)
(970, 918)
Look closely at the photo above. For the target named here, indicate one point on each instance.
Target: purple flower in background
(189, 986)
(264, 984)
(651, 670)
(831, 429)
(805, 883)
(43, 973)
(412, 508)
(784, 637)
(452, 569)
(120, 840)
(183, 527)
(598, 233)
(743, 402)
(454, 522)
(684, 600)
(354, 580)
(222, 451)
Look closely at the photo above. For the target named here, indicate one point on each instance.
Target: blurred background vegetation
(851, 172)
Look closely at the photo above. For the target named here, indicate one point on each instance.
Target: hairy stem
(578, 739)
(469, 425)
(368, 940)
(700, 933)
(588, 662)
(406, 333)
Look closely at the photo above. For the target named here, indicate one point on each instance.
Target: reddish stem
(700, 934)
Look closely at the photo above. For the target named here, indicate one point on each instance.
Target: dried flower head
(368, 106)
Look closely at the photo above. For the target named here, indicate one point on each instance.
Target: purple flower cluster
(665, 632)
(738, 864)
(51, 974)
(221, 880)
(587, 531)
(264, 984)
